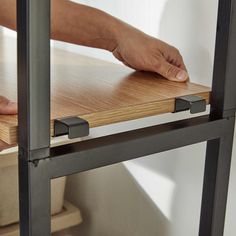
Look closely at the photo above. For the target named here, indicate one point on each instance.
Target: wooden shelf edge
(111, 116)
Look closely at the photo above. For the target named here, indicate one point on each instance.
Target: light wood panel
(69, 217)
(98, 91)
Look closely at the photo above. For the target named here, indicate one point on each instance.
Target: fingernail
(182, 75)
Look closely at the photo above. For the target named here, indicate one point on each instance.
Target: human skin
(87, 26)
(6, 107)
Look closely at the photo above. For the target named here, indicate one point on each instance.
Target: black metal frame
(38, 163)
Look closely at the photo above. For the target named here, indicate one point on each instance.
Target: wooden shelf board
(100, 92)
(70, 216)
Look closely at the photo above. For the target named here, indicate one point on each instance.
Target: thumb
(172, 72)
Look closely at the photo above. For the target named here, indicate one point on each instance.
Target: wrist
(117, 31)
(123, 33)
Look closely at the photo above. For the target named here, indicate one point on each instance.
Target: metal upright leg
(35, 213)
(216, 180)
(33, 26)
(223, 105)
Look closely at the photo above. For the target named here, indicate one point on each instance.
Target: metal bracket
(75, 127)
(193, 103)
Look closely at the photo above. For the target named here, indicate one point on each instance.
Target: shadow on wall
(112, 204)
(191, 26)
(118, 202)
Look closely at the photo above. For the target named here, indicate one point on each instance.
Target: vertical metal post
(223, 98)
(216, 181)
(223, 105)
(33, 26)
(35, 205)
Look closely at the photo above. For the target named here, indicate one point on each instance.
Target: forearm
(83, 25)
(73, 23)
(87, 26)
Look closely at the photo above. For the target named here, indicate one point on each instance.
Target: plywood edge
(5, 134)
(135, 112)
(126, 113)
(70, 216)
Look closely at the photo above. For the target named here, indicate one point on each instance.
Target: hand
(143, 52)
(6, 108)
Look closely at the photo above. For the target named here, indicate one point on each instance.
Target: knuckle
(157, 64)
(177, 53)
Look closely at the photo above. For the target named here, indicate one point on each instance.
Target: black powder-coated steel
(74, 127)
(33, 46)
(193, 103)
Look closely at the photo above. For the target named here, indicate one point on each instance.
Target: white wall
(161, 194)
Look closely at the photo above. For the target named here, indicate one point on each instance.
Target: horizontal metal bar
(94, 153)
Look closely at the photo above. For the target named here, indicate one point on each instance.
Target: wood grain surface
(98, 91)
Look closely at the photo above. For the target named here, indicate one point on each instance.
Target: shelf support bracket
(193, 103)
(75, 127)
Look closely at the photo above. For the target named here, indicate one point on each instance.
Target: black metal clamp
(193, 103)
(75, 127)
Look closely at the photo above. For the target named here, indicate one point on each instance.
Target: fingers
(172, 72)
(177, 59)
(173, 67)
(164, 59)
(7, 107)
